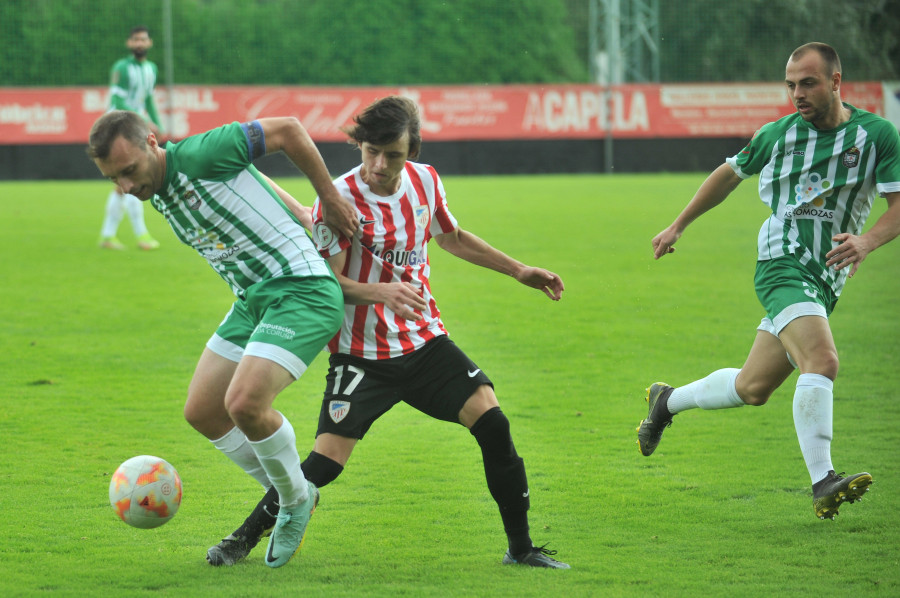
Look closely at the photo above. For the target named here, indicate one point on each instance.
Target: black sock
(506, 479)
(261, 519)
(515, 524)
(320, 470)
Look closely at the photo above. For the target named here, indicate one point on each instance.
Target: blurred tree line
(419, 42)
(312, 42)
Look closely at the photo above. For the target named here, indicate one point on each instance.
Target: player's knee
(824, 362)
(493, 419)
(755, 394)
(756, 400)
(830, 365)
(243, 410)
(204, 420)
(192, 415)
(493, 434)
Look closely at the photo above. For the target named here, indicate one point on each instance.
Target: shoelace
(544, 550)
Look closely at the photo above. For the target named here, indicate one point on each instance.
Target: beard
(139, 53)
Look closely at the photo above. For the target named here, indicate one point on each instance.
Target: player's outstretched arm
(853, 249)
(717, 186)
(475, 250)
(288, 135)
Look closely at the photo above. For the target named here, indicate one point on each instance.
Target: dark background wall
(36, 162)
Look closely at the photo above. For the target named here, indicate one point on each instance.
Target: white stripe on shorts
(293, 364)
(224, 348)
(789, 314)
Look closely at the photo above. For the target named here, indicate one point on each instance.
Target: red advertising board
(449, 113)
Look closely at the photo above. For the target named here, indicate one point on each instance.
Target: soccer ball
(145, 491)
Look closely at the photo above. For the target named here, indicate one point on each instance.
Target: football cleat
(833, 490)
(147, 243)
(231, 550)
(290, 529)
(538, 556)
(658, 418)
(111, 243)
(241, 541)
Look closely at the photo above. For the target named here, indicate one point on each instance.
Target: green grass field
(98, 348)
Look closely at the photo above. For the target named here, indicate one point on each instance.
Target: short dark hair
(829, 55)
(111, 126)
(385, 121)
(139, 29)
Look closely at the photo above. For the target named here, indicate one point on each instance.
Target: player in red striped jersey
(392, 345)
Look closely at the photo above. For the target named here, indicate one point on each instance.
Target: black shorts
(437, 380)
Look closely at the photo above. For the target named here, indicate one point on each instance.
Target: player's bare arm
(853, 249)
(288, 135)
(303, 213)
(717, 186)
(475, 250)
(402, 298)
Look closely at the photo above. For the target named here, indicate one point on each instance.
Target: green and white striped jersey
(217, 202)
(131, 87)
(819, 183)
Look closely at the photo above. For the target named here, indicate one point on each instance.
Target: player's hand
(851, 251)
(664, 242)
(542, 280)
(403, 299)
(339, 215)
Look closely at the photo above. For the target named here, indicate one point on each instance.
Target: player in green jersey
(132, 81)
(820, 170)
(289, 303)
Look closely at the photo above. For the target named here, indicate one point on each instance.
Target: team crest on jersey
(421, 215)
(338, 410)
(850, 158)
(193, 201)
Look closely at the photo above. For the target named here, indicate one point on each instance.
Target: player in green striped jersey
(131, 84)
(820, 169)
(289, 303)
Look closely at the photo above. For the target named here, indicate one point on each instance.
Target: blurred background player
(820, 170)
(131, 85)
(392, 345)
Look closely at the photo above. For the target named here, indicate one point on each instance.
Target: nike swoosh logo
(526, 493)
(269, 556)
(363, 222)
(473, 374)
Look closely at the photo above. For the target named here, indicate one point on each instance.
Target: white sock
(279, 457)
(716, 391)
(236, 447)
(115, 209)
(135, 209)
(813, 415)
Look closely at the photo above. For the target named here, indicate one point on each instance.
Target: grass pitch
(98, 348)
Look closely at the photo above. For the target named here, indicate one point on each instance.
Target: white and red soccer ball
(145, 491)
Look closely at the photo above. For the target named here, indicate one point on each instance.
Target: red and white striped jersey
(391, 247)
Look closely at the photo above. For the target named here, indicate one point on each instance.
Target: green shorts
(788, 291)
(287, 319)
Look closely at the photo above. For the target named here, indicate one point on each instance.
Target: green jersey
(218, 203)
(131, 84)
(819, 183)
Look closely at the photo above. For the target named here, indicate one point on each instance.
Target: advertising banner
(449, 113)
